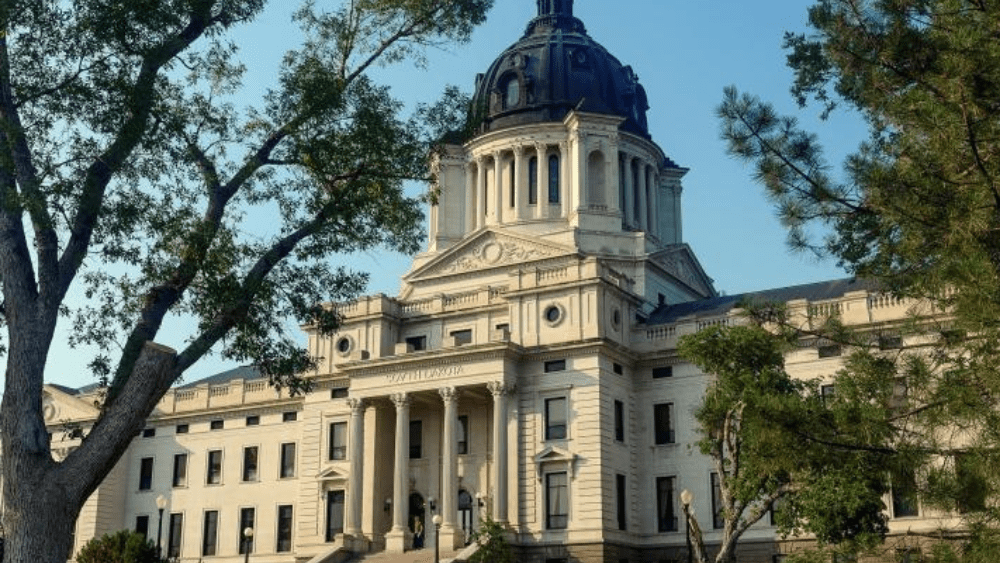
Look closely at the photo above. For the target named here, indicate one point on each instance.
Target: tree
(128, 172)
(768, 436)
(917, 210)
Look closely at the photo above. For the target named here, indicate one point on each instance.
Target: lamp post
(437, 534)
(161, 503)
(686, 498)
(247, 537)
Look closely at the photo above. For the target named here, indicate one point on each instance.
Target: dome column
(497, 199)
(654, 203)
(643, 204)
(519, 184)
(564, 181)
(542, 195)
(470, 197)
(628, 212)
(580, 182)
(611, 175)
(480, 198)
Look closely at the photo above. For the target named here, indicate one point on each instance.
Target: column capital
(357, 406)
(518, 150)
(401, 400)
(449, 395)
(499, 388)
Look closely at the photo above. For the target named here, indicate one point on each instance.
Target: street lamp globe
(248, 532)
(436, 519)
(686, 497)
(161, 502)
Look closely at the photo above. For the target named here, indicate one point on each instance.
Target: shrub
(493, 546)
(124, 546)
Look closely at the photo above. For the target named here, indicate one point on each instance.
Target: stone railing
(854, 308)
(235, 393)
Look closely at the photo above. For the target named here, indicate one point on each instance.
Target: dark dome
(554, 68)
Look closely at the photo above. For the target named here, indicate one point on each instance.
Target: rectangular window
(556, 501)
(142, 525)
(253, 420)
(666, 516)
(174, 535)
(217, 425)
(904, 495)
(339, 393)
(418, 343)
(663, 423)
(463, 435)
(462, 337)
(290, 416)
(250, 463)
(718, 522)
(890, 342)
(827, 393)
(287, 461)
(972, 485)
(533, 180)
(338, 441)
(553, 179)
(214, 472)
(284, 543)
(829, 351)
(334, 514)
(555, 418)
(180, 478)
(619, 421)
(181, 429)
(146, 474)
(246, 521)
(663, 371)
(210, 533)
(148, 432)
(622, 502)
(555, 365)
(416, 439)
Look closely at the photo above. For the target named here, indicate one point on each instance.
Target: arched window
(553, 179)
(533, 181)
(512, 93)
(513, 181)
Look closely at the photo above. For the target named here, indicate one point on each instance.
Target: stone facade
(526, 371)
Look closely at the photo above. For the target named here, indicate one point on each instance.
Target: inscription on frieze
(425, 374)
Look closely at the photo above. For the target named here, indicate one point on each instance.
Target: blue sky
(684, 53)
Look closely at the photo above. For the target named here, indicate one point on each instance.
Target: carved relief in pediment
(680, 265)
(490, 251)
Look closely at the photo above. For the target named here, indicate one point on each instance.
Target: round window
(616, 318)
(553, 314)
(344, 345)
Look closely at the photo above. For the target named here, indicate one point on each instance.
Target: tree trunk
(40, 520)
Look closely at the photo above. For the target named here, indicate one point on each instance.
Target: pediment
(487, 250)
(558, 456)
(680, 262)
(60, 406)
(331, 474)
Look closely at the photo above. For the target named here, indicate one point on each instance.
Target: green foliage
(493, 545)
(123, 546)
(753, 414)
(916, 209)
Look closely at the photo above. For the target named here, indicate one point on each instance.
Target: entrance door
(416, 520)
(334, 514)
(465, 513)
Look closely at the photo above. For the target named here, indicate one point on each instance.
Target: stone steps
(415, 556)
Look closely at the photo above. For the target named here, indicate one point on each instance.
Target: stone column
(643, 209)
(520, 184)
(629, 191)
(498, 187)
(542, 197)
(654, 204)
(399, 537)
(500, 391)
(564, 180)
(612, 188)
(480, 202)
(451, 535)
(470, 197)
(352, 524)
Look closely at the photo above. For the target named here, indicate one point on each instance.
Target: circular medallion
(492, 253)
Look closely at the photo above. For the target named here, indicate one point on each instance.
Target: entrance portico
(431, 467)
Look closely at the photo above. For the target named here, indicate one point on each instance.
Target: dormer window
(511, 93)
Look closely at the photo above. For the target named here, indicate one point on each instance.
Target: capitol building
(526, 371)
